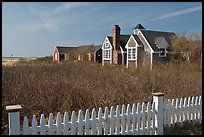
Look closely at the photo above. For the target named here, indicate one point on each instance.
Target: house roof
(123, 40)
(161, 42)
(151, 36)
(64, 49)
(85, 48)
(95, 48)
(137, 39)
(139, 26)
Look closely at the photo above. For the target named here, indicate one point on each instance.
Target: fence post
(14, 119)
(158, 99)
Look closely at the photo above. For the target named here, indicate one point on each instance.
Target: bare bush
(48, 87)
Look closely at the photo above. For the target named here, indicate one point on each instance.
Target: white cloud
(44, 20)
(177, 13)
(69, 5)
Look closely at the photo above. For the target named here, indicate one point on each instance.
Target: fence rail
(131, 120)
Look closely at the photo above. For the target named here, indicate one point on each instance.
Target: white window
(106, 54)
(106, 44)
(131, 53)
(162, 53)
(89, 55)
(56, 56)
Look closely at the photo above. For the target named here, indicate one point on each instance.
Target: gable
(107, 44)
(131, 42)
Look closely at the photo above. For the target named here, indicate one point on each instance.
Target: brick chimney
(116, 43)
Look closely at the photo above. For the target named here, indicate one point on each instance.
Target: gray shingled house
(142, 48)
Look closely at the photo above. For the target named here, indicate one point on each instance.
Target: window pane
(106, 54)
(133, 53)
(129, 53)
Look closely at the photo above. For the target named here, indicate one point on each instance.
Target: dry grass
(46, 87)
(187, 129)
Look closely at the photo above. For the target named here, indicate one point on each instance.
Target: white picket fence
(178, 111)
(134, 120)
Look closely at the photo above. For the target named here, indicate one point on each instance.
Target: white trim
(122, 52)
(57, 55)
(94, 56)
(103, 49)
(127, 47)
(151, 59)
(131, 54)
(146, 41)
(135, 31)
(106, 40)
(65, 56)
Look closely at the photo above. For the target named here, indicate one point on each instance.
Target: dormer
(162, 44)
(138, 27)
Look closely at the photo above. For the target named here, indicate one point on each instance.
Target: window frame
(107, 54)
(131, 53)
(164, 51)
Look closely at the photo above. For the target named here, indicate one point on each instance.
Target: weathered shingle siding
(146, 47)
(131, 64)
(159, 60)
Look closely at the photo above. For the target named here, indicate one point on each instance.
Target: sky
(33, 29)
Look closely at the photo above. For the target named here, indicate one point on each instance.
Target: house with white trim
(142, 48)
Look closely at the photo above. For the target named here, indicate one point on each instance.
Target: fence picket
(87, 119)
(148, 118)
(181, 111)
(153, 117)
(112, 118)
(196, 109)
(117, 128)
(189, 109)
(59, 124)
(26, 129)
(81, 122)
(50, 125)
(143, 118)
(106, 121)
(192, 112)
(169, 113)
(42, 125)
(66, 121)
(93, 123)
(138, 119)
(123, 120)
(172, 112)
(176, 111)
(34, 125)
(164, 116)
(133, 118)
(73, 122)
(128, 120)
(100, 121)
(200, 108)
(184, 110)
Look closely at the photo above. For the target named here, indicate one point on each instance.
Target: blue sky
(33, 29)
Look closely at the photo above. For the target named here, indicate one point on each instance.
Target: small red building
(60, 53)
